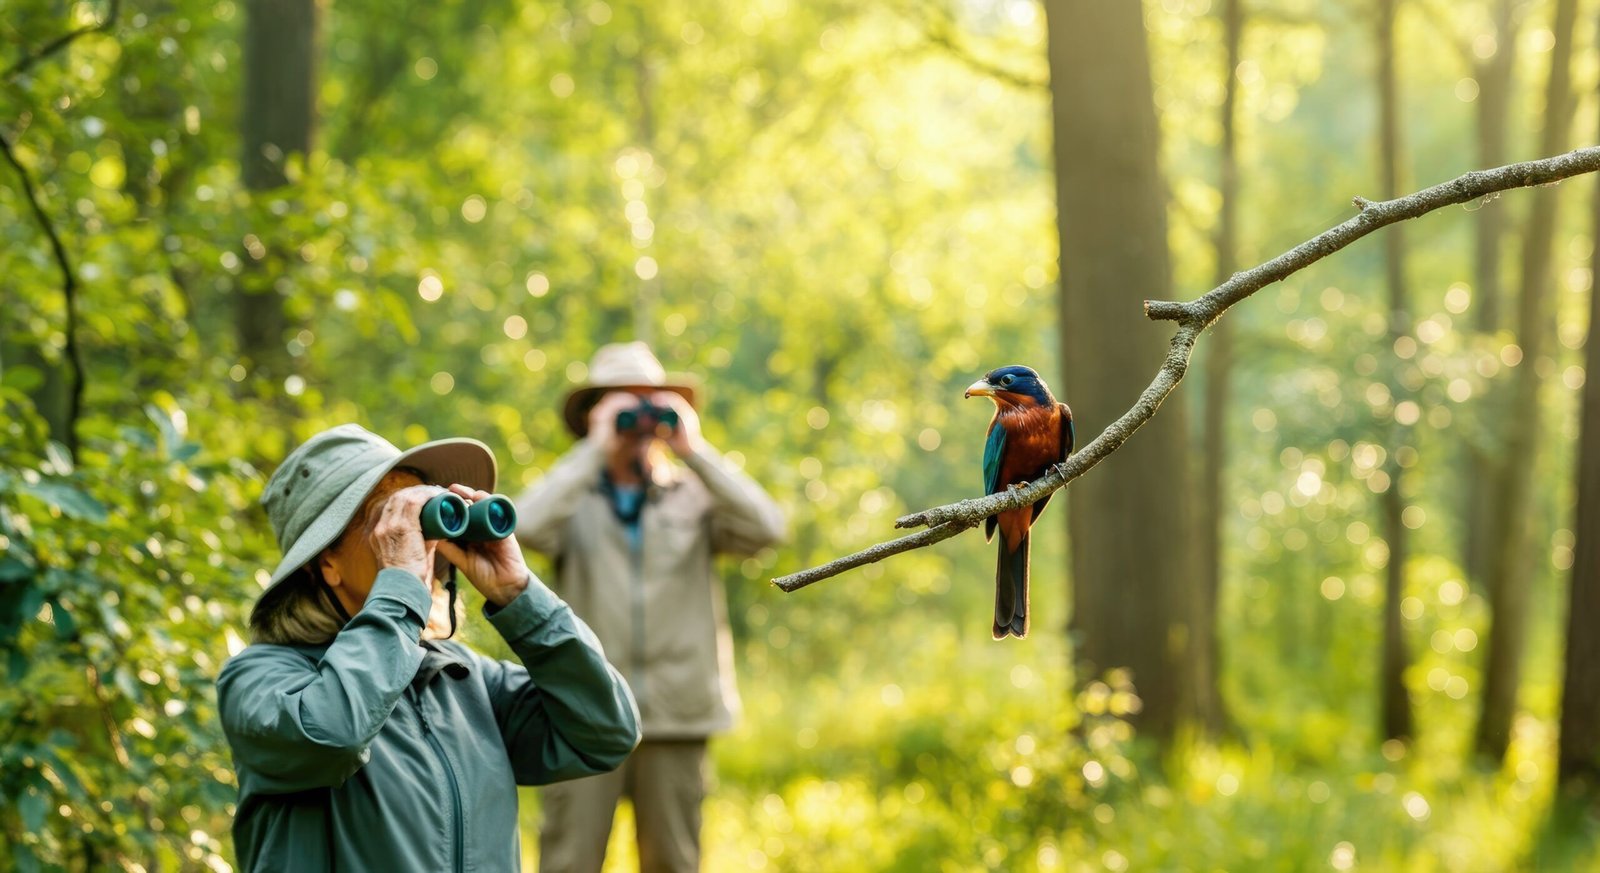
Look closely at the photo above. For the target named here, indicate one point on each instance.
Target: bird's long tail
(1011, 590)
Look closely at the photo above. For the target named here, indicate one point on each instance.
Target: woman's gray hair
(302, 613)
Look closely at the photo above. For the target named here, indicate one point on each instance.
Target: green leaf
(18, 603)
(16, 666)
(60, 460)
(169, 429)
(23, 377)
(66, 625)
(64, 770)
(13, 569)
(32, 806)
(72, 501)
(122, 677)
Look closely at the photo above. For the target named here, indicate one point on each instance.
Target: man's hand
(396, 536)
(496, 567)
(603, 416)
(685, 438)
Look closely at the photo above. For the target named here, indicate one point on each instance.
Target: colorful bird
(1030, 432)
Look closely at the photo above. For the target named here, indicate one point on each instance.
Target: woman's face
(350, 566)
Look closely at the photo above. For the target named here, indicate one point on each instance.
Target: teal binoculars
(448, 517)
(646, 418)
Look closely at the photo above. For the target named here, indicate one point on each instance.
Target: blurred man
(632, 536)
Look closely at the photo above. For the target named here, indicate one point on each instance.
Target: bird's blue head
(1015, 385)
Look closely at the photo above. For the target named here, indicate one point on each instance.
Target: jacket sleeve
(564, 712)
(544, 509)
(744, 520)
(298, 724)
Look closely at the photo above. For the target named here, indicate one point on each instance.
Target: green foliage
(120, 578)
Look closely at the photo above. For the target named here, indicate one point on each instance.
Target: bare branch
(1192, 318)
(69, 292)
(27, 61)
(942, 40)
(875, 554)
(942, 32)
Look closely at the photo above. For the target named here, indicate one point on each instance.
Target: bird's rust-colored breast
(1033, 443)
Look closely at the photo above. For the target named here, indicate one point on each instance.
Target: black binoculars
(647, 418)
(448, 517)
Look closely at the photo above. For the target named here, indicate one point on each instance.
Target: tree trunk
(1495, 78)
(1133, 556)
(275, 121)
(1578, 758)
(1578, 762)
(1510, 567)
(1396, 708)
(1214, 508)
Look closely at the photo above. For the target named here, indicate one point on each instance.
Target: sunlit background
(838, 214)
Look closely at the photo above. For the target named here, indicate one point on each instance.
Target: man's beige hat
(316, 491)
(620, 366)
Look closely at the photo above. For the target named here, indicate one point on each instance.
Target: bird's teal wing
(993, 450)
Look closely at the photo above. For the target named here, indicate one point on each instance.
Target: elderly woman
(363, 738)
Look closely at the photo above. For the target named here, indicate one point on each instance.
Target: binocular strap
(450, 586)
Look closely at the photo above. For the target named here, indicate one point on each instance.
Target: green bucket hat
(316, 491)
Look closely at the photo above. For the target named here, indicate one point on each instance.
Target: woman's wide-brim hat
(622, 367)
(317, 490)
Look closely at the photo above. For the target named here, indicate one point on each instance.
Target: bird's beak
(980, 387)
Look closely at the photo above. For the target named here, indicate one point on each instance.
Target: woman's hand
(396, 537)
(495, 567)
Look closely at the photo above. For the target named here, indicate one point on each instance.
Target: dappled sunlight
(837, 216)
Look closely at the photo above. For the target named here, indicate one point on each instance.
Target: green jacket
(377, 752)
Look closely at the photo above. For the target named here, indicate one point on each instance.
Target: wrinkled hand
(495, 568)
(396, 536)
(685, 438)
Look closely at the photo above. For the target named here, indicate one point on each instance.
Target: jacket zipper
(455, 790)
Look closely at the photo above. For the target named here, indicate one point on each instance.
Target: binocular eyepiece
(647, 418)
(447, 516)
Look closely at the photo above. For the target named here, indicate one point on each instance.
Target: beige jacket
(660, 613)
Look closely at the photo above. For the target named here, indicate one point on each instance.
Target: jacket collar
(438, 656)
(663, 478)
(442, 656)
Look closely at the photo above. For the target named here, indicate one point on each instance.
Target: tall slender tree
(1510, 562)
(1134, 555)
(276, 120)
(1578, 759)
(1495, 77)
(1396, 704)
(1219, 353)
